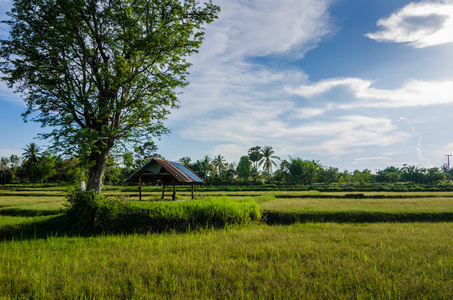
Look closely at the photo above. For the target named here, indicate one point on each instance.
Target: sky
(352, 84)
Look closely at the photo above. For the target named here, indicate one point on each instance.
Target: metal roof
(166, 171)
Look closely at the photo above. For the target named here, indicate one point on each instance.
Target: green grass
(207, 211)
(338, 253)
(305, 261)
(425, 204)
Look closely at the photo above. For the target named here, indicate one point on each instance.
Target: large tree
(101, 72)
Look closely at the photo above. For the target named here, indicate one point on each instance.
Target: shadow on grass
(132, 223)
(20, 212)
(59, 226)
(286, 218)
(42, 229)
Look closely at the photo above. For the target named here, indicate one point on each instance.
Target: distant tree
(389, 174)
(206, 166)
(73, 171)
(268, 159)
(244, 167)
(282, 174)
(46, 168)
(102, 73)
(364, 176)
(255, 156)
(4, 165)
(14, 163)
(31, 158)
(303, 171)
(255, 174)
(185, 160)
(435, 174)
(31, 154)
(329, 174)
(219, 163)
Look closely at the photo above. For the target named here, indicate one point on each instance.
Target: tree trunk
(96, 171)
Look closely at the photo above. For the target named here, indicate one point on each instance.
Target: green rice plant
(210, 211)
(88, 212)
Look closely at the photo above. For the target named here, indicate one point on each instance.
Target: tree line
(258, 166)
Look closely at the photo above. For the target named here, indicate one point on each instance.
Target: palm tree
(268, 159)
(31, 154)
(219, 162)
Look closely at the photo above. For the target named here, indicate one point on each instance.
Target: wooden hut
(167, 173)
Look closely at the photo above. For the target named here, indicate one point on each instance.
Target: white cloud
(333, 137)
(356, 85)
(263, 27)
(225, 78)
(354, 132)
(360, 160)
(414, 93)
(420, 24)
(308, 113)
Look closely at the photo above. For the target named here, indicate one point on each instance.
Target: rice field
(304, 260)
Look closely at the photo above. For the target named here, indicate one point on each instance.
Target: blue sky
(353, 84)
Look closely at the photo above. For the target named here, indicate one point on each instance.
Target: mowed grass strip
(390, 205)
(23, 202)
(304, 261)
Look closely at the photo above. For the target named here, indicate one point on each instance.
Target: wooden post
(174, 192)
(163, 190)
(192, 191)
(140, 187)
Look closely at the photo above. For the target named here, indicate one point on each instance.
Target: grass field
(339, 259)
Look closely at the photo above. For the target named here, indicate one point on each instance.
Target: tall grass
(88, 212)
(210, 211)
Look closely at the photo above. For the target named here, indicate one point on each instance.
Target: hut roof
(166, 171)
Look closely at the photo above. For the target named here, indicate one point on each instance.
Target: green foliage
(244, 167)
(82, 208)
(219, 164)
(268, 159)
(89, 212)
(207, 212)
(255, 155)
(203, 167)
(303, 171)
(101, 73)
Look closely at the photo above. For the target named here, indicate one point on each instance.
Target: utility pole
(448, 165)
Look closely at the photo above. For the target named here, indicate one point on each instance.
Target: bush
(87, 211)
